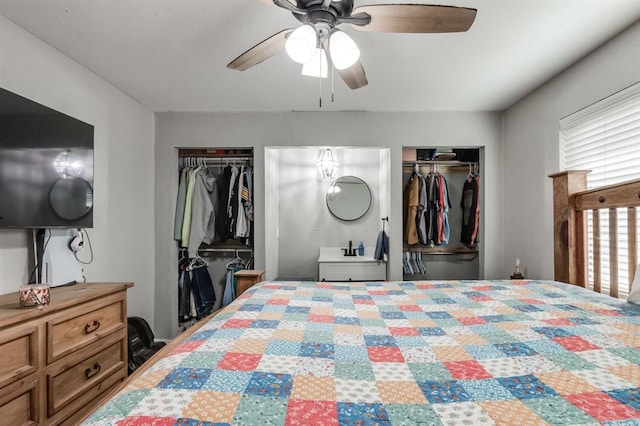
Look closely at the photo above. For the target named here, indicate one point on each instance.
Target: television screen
(46, 166)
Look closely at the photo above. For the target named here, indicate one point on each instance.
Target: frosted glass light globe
(316, 67)
(301, 44)
(343, 50)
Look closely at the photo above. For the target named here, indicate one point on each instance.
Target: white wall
(291, 129)
(122, 237)
(531, 149)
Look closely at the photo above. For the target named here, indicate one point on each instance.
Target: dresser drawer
(74, 382)
(84, 324)
(19, 402)
(18, 352)
(74, 414)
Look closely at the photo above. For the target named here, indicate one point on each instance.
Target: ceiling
(171, 55)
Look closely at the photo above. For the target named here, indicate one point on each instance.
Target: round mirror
(348, 198)
(71, 198)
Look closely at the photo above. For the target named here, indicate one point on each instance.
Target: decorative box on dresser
(57, 360)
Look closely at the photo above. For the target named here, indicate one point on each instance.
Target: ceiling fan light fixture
(318, 66)
(343, 50)
(301, 44)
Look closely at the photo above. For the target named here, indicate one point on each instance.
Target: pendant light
(328, 165)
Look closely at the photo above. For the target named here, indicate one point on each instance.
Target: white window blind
(605, 138)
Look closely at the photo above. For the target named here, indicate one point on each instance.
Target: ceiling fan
(319, 45)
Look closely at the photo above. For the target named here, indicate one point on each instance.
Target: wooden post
(569, 228)
(597, 264)
(613, 253)
(632, 238)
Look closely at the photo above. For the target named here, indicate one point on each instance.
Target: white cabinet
(334, 266)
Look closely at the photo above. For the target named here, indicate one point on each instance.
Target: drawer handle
(90, 328)
(90, 372)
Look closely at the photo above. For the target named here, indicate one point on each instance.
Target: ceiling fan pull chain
(320, 92)
(332, 94)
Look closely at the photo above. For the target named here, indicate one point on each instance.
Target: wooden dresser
(57, 360)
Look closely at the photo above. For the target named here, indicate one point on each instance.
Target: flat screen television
(46, 166)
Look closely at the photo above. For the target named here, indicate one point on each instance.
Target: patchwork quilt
(401, 353)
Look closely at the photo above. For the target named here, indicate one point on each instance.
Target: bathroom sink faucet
(350, 251)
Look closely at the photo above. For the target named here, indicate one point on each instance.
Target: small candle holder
(517, 275)
(34, 295)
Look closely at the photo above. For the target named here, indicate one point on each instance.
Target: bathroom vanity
(333, 265)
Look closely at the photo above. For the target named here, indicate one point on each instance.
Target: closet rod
(218, 159)
(234, 250)
(225, 159)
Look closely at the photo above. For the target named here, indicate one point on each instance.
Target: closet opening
(213, 227)
(442, 213)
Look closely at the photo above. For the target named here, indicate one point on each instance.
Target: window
(605, 138)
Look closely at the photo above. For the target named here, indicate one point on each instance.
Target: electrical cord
(75, 254)
(46, 236)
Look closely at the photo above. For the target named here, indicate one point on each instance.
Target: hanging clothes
(203, 217)
(407, 269)
(412, 263)
(435, 219)
(232, 204)
(431, 215)
(202, 289)
(214, 204)
(242, 225)
(215, 201)
(382, 246)
(248, 206)
(235, 265)
(382, 243)
(443, 205)
(412, 200)
(196, 295)
(186, 222)
(179, 214)
(223, 202)
(184, 288)
(474, 234)
(421, 224)
(470, 205)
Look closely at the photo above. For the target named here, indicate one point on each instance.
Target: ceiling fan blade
(261, 51)
(354, 76)
(416, 18)
(290, 5)
(293, 2)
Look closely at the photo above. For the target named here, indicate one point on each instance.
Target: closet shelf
(445, 165)
(216, 153)
(441, 250)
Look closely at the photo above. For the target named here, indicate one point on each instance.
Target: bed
(402, 352)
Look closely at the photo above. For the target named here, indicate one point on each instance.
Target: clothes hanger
(237, 261)
(196, 262)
